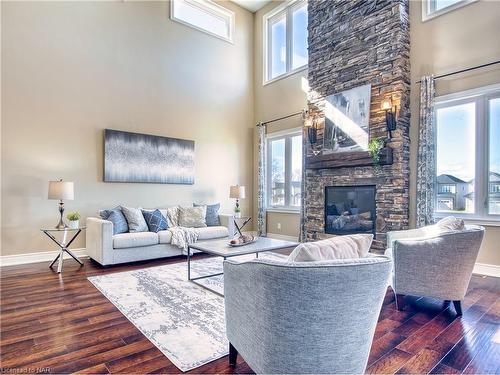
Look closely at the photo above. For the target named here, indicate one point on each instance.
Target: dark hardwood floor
(62, 324)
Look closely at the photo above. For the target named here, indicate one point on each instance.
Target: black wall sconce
(390, 115)
(312, 133)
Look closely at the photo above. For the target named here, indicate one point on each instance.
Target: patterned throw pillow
(212, 216)
(135, 220)
(192, 217)
(155, 220)
(116, 217)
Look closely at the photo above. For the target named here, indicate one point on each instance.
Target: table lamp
(61, 190)
(237, 192)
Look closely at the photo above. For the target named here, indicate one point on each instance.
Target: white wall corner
(45, 256)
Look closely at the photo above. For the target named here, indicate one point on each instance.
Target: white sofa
(107, 249)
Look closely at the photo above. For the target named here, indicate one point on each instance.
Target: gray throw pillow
(212, 216)
(116, 217)
(192, 217)
(135, 219)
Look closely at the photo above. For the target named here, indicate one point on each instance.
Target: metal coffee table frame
(282, 245)
(63, 245)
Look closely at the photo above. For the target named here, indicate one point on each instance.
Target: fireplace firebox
(350, 209)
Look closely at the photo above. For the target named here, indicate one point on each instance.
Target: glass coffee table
(222, 249)
(63, 243)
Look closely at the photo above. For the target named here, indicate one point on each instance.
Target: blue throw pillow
(212, 215)
(155, 220)
(117, 218)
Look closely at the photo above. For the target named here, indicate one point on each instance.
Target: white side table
(63, 244)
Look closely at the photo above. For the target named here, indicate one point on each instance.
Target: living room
(126, 124)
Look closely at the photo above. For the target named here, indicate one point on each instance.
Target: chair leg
(233, 355)
(400, 302)
(458, 307)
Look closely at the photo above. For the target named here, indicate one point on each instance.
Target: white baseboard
(487, 269)
(282, 237)
(45, 256)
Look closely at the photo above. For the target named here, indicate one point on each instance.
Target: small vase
(73, 224)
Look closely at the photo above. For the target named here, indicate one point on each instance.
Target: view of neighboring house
(454, 194)
(451, 192)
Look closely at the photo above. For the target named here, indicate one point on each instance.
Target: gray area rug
(185, 321)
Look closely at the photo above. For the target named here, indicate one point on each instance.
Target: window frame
(428, 13)
(287, 135)
(480, 97)
(287, 9)
(210, 8)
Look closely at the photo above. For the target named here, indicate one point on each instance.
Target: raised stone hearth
(354, 43)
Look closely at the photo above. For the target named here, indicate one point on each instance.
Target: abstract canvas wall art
(346, 120)
(133, 157)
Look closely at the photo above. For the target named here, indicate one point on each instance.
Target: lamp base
(61, 224)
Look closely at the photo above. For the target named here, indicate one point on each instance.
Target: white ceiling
(251, 5)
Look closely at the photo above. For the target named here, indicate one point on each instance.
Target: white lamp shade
(237, 192)
(61, 190)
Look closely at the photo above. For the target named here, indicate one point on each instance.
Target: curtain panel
(426, 158)
(261, 181)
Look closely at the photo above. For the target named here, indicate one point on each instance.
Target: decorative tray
(242, 244)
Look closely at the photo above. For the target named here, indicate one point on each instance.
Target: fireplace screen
(350, 209)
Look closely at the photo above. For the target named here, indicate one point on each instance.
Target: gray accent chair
(436, 265)
(304, 317)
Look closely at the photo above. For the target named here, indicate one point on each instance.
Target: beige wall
(71, 69)
(276, 99)
(459, 39)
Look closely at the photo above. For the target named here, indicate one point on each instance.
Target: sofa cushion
(135, 219)
(340, 247)
(172, 215)
(165, 236)
(155, 220)
(209, 233)
(192, 217)
(116, 217)
(212, 215)
(126, 240)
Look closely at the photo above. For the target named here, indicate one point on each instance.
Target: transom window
(284, 169)
(204, 15)
(434, 8)
(468, 154)
(285, 40)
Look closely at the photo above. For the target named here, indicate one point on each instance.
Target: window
(204, 15)
(434, 8)
(468, 153)
(285, 39)
(284, 170)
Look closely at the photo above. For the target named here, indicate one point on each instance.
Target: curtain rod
(280, 118)
(465, 70)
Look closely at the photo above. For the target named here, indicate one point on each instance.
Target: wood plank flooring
(54, 323)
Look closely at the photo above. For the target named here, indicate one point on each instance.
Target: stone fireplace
(351, 44)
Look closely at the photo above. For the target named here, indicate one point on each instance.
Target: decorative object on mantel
(346, 120)
(133, 157)
(390, 115)
(348, 159)
(73, 220)
(61, 190)
(237, 192)
(375, 146)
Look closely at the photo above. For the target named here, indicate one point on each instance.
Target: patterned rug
(185, 321)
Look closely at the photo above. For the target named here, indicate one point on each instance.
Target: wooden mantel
(347, 159)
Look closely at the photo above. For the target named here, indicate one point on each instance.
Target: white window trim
(428, 15)
(213, 8)
(286, 7)
(480, 97)
(285, 134)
